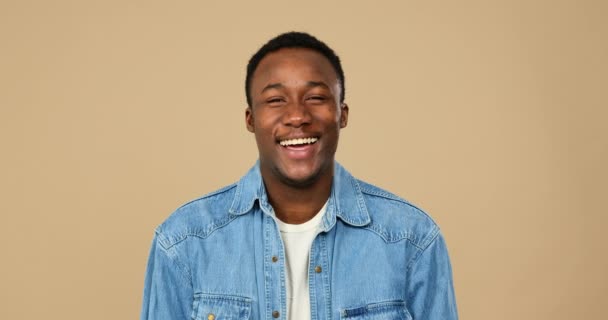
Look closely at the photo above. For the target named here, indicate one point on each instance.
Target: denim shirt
(222, 257)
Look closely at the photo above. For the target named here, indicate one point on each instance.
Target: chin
(300, 177)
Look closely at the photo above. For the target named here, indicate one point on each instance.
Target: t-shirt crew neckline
(303, 227)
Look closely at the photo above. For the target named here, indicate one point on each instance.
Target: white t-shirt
(297, 239)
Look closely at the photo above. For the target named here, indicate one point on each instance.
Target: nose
(296, 115)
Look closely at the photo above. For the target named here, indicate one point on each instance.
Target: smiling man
(298, 237)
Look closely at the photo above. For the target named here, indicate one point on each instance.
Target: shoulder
(396, 219)
(199, 217)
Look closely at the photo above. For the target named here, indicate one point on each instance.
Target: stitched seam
(267, 267)
(220, 296)
(396, 199)
(174, 257)
(237, 199)
(375, 191)
(372, 308)
(360, 200)
(209, 195)
(432, 236)
(382, 194)
(325, 277)
(167, 244)
(369, 188)
(400, 237)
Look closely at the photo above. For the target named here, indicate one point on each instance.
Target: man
(298, 237)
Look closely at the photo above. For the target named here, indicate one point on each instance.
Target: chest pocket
(388, 310)
(220, 307)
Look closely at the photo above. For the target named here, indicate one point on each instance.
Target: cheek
(330, 119)
(264, 126)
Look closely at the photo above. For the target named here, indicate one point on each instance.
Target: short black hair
(294, 40)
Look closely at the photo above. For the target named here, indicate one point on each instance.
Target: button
(318, 269)
(211, 316)
(275, 314)
(275, 258)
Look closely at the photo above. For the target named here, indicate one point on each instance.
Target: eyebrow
(309, 84)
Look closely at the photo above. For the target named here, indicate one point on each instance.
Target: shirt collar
(345, 202)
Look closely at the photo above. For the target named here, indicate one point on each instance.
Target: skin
(296, 93)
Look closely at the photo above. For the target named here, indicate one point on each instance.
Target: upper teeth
(292, 142)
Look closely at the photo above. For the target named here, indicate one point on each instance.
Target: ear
(249, 121)
(343, 115)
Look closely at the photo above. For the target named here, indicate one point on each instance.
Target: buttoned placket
(274, 268)
(319, 279)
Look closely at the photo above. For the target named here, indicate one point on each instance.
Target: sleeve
(168, 292)
(430, 285)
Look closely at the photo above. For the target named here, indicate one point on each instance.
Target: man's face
(296, 115)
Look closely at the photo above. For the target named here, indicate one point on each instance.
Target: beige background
(491, 116)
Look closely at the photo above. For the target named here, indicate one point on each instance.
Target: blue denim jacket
(221, 257)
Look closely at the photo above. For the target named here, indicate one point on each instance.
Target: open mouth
(298, 142)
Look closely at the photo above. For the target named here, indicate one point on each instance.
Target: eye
(274, 101)
(316, 99)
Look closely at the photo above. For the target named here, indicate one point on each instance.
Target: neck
(294, 204)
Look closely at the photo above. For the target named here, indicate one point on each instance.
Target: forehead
(289, 63)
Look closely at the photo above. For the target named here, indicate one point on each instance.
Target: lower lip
(299, 152)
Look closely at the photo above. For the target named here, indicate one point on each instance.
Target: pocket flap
(220, 307)
(387, 310)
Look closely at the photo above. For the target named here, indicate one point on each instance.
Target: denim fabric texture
(221, 257)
